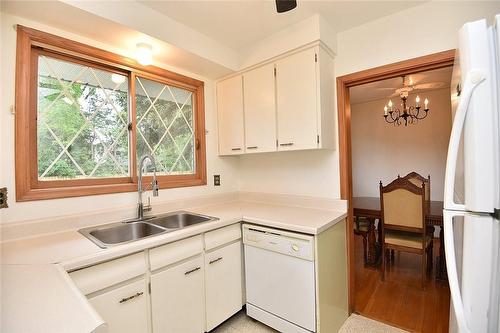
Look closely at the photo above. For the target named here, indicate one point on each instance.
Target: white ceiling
(435, 79)
(124, 39)
(224, 26)
(239, 23)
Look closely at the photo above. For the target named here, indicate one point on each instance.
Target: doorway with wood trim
(344, 83)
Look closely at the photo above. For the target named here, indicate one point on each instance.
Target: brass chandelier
(409, 114)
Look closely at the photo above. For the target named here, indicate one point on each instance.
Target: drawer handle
(235, 149)
(192, 270)
(253, 147)
(286, 144)
(126, 299)
(215, 260)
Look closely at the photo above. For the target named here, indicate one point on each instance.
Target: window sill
(80, 191)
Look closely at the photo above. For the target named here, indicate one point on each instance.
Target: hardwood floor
(399, 301)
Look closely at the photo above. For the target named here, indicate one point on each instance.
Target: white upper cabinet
(230, 116)
(296, 89)
(260, 109)
(287, 104)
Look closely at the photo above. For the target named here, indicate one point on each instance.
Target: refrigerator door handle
(451, 267)
(472, 80)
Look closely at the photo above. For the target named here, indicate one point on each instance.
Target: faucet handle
(155, 187)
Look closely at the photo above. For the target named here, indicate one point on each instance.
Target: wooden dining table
(369, 208)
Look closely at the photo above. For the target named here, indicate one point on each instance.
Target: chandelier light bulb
(417, 100)
(385, 110)
(426, 102)
(144, 54)
(390, 103)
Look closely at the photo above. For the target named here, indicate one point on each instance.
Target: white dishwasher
(280, 278)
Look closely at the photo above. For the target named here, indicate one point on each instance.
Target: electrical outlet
(216, 180)
(3, 198)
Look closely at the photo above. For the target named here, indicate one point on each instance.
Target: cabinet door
(124, 309)
(260, 109)
(296, 96)
(223, 283)
(177, 298)
(230, 116)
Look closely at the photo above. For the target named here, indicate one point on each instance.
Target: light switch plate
(3, 198)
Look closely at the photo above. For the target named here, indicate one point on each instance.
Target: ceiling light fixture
(409, 114)
(144, 54)
(285, 5)
(117, 78)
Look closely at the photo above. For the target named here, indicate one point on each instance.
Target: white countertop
(305, 220)
(40, 261)
(42, 298)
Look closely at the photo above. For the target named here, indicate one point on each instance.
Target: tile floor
(241, 323)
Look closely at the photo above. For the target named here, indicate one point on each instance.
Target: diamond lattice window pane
(165, 127)
(82, 121)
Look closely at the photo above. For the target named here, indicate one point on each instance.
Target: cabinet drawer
(104, 275)
(171, 253)
(222, 236)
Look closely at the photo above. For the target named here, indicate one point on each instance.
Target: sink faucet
(154, 187)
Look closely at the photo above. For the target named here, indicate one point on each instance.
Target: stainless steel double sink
(118, 233)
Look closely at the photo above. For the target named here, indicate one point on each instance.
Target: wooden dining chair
(417, 179)
(403, 224)
(361, 228)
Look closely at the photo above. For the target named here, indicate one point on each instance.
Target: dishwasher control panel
(285, 242)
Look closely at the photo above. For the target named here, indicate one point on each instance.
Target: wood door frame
(420, 64)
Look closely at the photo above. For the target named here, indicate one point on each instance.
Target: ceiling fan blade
(431, 85)
(285, 5)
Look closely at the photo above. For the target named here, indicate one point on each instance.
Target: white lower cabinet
(124, 309)
(177, 301)
(223, 283)
(195, 285)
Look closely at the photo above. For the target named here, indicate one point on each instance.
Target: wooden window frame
(31, 43)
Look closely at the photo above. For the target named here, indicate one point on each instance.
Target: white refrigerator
(472, 182)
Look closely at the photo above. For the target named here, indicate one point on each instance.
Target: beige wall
(227, 168)
(429, 28)
(434, 27)
(381, 151)
(308, 172)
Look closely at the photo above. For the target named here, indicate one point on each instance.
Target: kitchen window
(84, 117)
